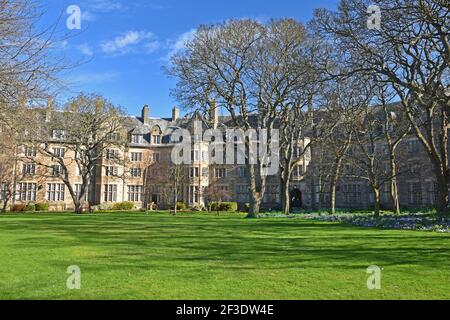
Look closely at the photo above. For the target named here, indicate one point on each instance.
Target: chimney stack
(175, 114)
(146, 114)
(49, 109)
(214, 115)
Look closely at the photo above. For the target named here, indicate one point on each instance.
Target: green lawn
(138, 256)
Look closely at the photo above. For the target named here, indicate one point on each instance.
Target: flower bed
(403, 222)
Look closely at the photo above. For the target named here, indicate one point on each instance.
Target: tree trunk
(442, 194)
(255, 206)
(285, 195)
(78, 207)
(394, 187)
(175, 199)
(377, 201)
(333, 184)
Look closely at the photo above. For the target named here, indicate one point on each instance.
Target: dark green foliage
(42, 206)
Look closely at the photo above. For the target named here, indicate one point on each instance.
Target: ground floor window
(27, 191)
(194, 194)
(353, 193)
(432, 193)
(110, 193)
(135, 193)
(55, 192)
(3, 191)
(415, 193)
(78, 191)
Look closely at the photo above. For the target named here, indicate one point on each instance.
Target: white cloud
(93, 78)
(128, 42)
(85, 49)
(180, 43)
(106, 5)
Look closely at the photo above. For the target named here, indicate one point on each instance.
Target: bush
(18, 208)
(181, 206)
(123, 206)
(224, 206)
(31, 207)
(42, 206)
(198, 208)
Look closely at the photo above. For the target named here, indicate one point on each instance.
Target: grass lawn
(138, 256)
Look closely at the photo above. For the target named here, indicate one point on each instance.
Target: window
(29, 169)
(156, 157)
(220, 172)
(136, 156)
(59, 134)
(432, 193)
(413, 146)
(55, 192)
(242, 172)
(27, 192)
(112, 154)
(110, 193)
(30, 152)
(415, 193)
(3, 191)
(57, 170)
(77, 192)
(135, 193)
(156, 139)
(113, 137)
(352, 193)
(112, 171)
(136, 172)
(59, 152)
(194, 194)
(194, 172)
(137, 139)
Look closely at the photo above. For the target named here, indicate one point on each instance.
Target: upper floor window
(136, 172)
(59, 134)
(59, 152)
(113, 137)
(137, 139)
(112, 154)
(136, 156)
(156, 157)
(194, 172)
(156, 135)
(30, 152)
(112, 171)
(29, 169)
(242, 172)
(156, 139)
(57, 170)
(220, 172)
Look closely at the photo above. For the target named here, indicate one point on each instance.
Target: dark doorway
(155, 199)
(296, 198)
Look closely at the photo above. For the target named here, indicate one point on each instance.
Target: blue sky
(124, 44)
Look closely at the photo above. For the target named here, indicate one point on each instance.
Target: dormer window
(59, 134)
(156, 135)
(137, 139)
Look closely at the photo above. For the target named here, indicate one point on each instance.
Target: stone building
(140, 172)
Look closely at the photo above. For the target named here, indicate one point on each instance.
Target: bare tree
(411, 52)
(88, 129)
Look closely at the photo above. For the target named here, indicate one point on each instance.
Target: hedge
(123, 206)
(42, 206)
(224, 206)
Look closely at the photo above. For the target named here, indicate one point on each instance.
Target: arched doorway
(296, 198)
